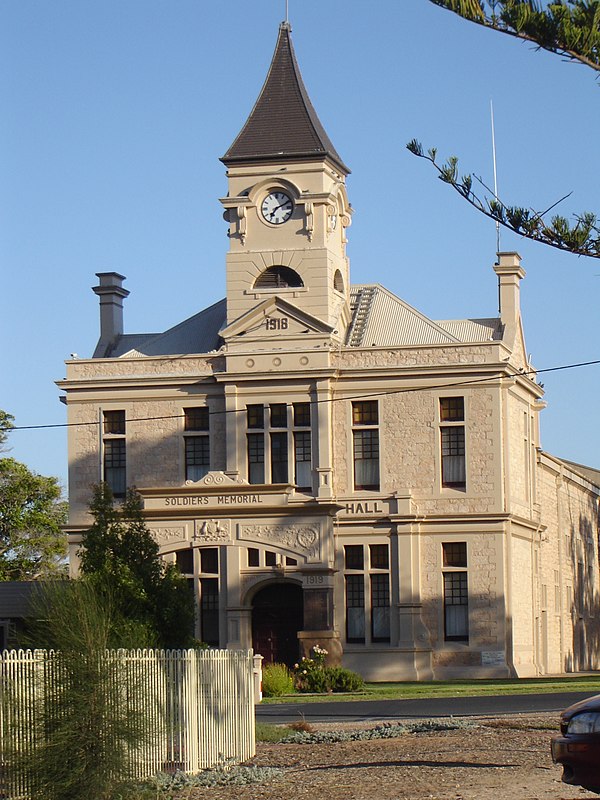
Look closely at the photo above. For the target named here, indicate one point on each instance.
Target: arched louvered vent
(338, 281)
(278, 278)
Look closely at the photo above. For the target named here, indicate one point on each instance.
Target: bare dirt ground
(504, 759)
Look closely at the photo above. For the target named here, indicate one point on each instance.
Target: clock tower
(288, 212)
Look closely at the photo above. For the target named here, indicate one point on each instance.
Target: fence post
(257, 672)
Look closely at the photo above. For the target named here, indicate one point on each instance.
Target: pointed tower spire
(283, 125)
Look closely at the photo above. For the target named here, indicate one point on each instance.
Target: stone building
(327, 464)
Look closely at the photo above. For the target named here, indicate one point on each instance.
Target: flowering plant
(310, 674)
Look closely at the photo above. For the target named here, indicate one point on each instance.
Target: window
(452, 437)
(278, 278)
(455, 554)
(196, 442)
(355, 608)
(338, 281)
(114, 422)
(209, 595)
(185, 561)
(209, 611)
(114, 452)
(256, 458)
(269, 559)
(279, 444)
(209, 560)
(365, 440)
(302, 459)
(456, 594)
(367, 582)
(279, 458)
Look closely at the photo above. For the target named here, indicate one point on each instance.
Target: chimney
(510, 272)
(111, 294)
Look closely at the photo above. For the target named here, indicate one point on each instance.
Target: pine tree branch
(581, 237)
(569, 28)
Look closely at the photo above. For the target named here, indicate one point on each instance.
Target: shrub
(277, 680)
(83, 733)
(385, 731)
(340, 679)
(311, 675)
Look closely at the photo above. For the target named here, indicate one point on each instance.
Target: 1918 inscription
(276, 323)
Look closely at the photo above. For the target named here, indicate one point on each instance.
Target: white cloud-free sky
(115, 113)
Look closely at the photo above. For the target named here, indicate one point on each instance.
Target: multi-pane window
(452, 440)
(355, 608)
(209, 595)
(302, 459)
(456, 592)
(279, 458)
(114, 422)
(114, 452)
(367, 580)
(455, 554)
(256, 458)
(365, 441)
(197, 442)
(269, 559)
(279, 444)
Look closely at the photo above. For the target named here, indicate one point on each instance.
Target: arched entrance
(277, 616)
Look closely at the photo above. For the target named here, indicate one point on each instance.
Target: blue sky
(116, 113)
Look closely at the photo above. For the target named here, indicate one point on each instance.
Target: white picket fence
(198, 704)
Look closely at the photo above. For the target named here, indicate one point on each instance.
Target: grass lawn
(409, 689)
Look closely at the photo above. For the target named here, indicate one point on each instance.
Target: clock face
(277, 207)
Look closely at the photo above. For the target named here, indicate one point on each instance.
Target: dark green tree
(32, 544)
(571, 29)
(121, 556)
(6, 425)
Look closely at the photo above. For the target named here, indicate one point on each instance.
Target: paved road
(369, 710)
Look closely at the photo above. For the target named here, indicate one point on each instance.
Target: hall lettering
(364, 508)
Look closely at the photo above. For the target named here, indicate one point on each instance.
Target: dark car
(577, 748)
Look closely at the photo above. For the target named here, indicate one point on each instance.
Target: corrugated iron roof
(379, 318)
(473, 330)
(283, 123)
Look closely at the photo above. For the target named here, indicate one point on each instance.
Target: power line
(457, 384)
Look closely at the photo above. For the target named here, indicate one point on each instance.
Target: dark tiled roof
(198, 334)
(283, 122)
(592, 474)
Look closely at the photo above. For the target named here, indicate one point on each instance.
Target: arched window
(278, 278)
(338, 281)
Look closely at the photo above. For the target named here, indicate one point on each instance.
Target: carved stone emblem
(307, 537)
(216, 531)
(301, 538)
(216, 479)
(169, 535)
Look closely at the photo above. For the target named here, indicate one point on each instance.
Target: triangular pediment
(275, 319)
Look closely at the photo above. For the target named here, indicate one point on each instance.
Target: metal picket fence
(198, 707)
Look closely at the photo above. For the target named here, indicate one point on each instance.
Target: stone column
(318, 618)
(234, 428)
(324, 450)
(413, 634)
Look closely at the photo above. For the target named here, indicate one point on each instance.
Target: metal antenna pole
(495, 173)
